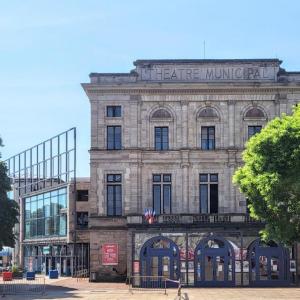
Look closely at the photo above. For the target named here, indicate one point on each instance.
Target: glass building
(45, 214)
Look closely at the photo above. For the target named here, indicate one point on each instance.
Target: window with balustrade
(114, 194)
(208, 193)
(162, 198)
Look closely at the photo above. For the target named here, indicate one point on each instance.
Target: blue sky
(47, 48)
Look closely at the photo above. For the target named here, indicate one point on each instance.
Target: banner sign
(110, 254)
(136, 266)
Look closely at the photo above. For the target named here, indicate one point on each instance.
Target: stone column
(231, 123)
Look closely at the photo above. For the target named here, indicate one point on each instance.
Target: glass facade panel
(63, 225)
(42, 214)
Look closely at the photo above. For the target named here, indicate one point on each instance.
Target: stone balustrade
(195, 219)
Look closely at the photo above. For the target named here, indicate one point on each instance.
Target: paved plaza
(69, 288)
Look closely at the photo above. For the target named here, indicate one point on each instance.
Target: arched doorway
(159, 257)
(268, 264)
(214, 263)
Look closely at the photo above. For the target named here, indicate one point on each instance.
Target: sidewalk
(70, 288)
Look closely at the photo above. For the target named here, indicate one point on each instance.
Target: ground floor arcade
(208, 257)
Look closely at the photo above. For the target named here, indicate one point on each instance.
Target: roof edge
(204, 61)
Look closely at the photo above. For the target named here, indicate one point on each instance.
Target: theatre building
(168, 137)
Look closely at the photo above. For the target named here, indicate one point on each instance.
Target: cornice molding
(193, 91)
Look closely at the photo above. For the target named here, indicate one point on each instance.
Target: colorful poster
(136, 267)
(110, 254)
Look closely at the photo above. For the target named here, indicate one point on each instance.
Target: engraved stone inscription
(204, 74)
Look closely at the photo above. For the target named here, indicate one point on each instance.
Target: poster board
(110, 254)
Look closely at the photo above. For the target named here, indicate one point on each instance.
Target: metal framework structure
(48, 164)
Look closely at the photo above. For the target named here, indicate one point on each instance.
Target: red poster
(110, 254)
(136, 267)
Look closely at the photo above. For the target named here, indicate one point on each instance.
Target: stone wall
(97, 239)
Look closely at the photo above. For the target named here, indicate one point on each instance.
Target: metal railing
(151, 283)
(22, 286)
(81, 274)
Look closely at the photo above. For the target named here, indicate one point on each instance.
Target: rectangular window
(161, 138)
(82, 195)
(162, 193)
(208, 193)
(42, 215)
(114, 138)
(113, 111)
(208, 137)
(114, 194)
(252, 130)
(82, 220)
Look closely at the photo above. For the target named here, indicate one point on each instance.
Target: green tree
(270, 178)
(8, 209)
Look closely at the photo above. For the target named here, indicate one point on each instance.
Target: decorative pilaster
(184, 109)
(231, 123)
(185, 180)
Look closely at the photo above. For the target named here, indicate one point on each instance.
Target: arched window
(162, 121)
(254, 112)
(161, 114)
(255, 119)
(208, 112)
(207, 118)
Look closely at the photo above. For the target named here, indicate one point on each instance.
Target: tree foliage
(8, 210)
(270, 178)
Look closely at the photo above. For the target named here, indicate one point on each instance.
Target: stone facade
(183, 95)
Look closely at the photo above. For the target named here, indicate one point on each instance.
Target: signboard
(110, 254)
(46, 250)
(136, 267)
(30, 266)
(207, 72)
(292, 265)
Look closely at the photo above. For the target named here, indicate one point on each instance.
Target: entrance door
(159, 260)
(214, 263)
(268, 264)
